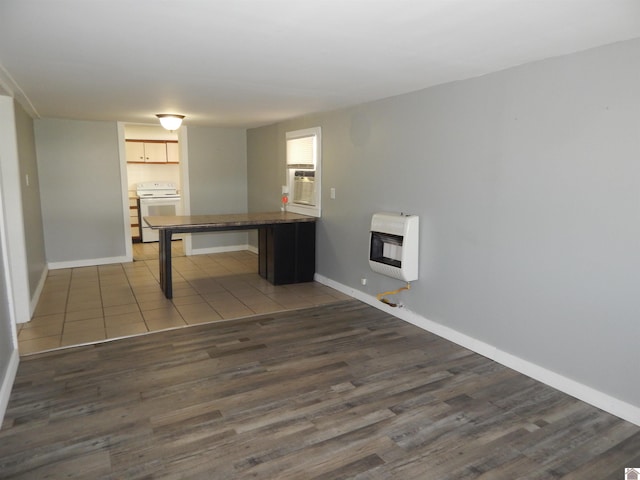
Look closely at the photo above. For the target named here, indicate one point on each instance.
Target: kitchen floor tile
(51, 307)
(291, 301)
(267, 307)
(112, 280)
(40, 331)
(206, 285)
(223, 299)
(191, 313)
(83, 314)
(233, 311)
(118, 300)
(144, 289)
(168, 313)
(252, 298)
(83, 305)
(56, 318)
(123, 319)
(148, 294)
(195, 309)
(82, 337)
(164, 323)
(92, 324)
(155, 304)
(188, 300)
(120, 309)
(126, 329)
(38, 344)
(90, 304)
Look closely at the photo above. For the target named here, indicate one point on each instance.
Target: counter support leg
(164, 258)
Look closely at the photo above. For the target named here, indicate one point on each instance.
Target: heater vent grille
(393, 247)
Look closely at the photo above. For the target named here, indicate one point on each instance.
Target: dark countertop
(226, 220)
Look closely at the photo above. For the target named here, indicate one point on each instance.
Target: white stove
(157, 199)
(157, 190)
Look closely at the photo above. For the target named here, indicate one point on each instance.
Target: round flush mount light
(170, 121)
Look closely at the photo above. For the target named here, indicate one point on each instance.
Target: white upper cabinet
(134, 151)
(146, 152)
(173, 152)
(155, 152)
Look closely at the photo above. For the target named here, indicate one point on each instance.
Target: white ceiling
(255, 62)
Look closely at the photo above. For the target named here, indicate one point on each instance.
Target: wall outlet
(332, 193)
(363, 281)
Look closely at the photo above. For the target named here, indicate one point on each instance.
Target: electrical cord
(392, 292)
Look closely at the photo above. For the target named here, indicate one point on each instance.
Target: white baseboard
(594, 397)
(7, 382)
(226, 248)
(90, 262)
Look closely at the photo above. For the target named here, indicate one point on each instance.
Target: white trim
(4, 244)
(9, 85)
(7, 382)
(36, 295)
(252, 249)
(183, 143)
(90, 262)
(597, 398)
(315, 210)
(9, 373)
(226, 248)
(124, 186)
(13, 218)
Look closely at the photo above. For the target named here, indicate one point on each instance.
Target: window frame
(291, 166)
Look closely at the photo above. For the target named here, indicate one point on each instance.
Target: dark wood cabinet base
(287, 252)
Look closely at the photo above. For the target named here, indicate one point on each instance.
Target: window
(301, 152)
(303, 171)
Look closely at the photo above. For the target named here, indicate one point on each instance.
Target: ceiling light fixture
(170, 121)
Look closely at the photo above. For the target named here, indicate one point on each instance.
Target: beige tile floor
(92, 304)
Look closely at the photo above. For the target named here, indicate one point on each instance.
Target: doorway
(149, 153)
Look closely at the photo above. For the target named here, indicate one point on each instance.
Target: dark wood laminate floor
(335, 392)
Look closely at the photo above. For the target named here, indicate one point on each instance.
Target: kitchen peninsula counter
(286, 252)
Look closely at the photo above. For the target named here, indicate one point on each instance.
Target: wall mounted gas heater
(394, 245)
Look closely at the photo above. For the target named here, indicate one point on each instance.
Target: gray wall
(217, 179)
(79, 172)
(265, 176)
(80, 189)
(527, 184)
(31, 209)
